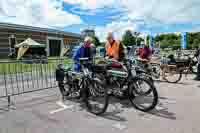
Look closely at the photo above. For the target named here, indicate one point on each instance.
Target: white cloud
(180, 11)
(150, 13)
(77, 10)
(118, 28)
(91, 4)
(153, 13)
(42, 13)
(91, 7)
(165, 11)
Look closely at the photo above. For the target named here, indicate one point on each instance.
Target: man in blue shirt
(86, 50)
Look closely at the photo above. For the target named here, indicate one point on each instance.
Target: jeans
(61, 87)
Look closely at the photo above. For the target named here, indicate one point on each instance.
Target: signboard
(183, 40)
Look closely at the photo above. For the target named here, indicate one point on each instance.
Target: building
(55, 40)
(88, 32)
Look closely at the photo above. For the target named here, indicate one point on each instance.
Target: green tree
(136, 34)
(193, 39)
(168, 40)
(103, 44)
(195, 43)
(139, 41)
(128, 38)
(96, 41)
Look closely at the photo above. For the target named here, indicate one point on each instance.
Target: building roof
(37, 29)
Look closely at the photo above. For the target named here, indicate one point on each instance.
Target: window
(12, 42)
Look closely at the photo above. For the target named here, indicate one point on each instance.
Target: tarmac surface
(44, 112)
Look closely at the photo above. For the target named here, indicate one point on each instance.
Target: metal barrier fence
(19, 77)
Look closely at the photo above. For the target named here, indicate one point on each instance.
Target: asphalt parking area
(43, 112)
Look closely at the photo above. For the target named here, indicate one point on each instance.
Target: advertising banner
(183, 40)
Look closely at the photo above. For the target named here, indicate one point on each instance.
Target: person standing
(145, 53)
(114, 48)
(86, 50)
(60, 75)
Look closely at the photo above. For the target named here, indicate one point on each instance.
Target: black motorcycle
(83, 85)
(122, 81)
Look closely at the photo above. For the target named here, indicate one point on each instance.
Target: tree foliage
(96, 41)
(136, 34)
(174, 40)
(168, 40)
(193, 39)
(128, 38)
(139, 40)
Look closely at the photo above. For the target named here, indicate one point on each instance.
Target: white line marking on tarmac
(63, 107)
(159, 108)
(119, 126)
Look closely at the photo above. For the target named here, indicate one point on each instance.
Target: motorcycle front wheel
(96, 96)
(137, 96)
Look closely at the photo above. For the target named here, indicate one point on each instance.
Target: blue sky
(146, 16)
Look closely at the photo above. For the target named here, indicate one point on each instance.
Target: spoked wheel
(194, 68)
(149, 78)
(96, 97)
(156, 71)
(70, 90)
(173, 75)
(139, 99)
(97, 87)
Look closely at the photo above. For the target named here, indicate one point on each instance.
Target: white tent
(29, 43)
(25, 45)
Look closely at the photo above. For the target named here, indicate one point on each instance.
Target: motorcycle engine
(116, 82)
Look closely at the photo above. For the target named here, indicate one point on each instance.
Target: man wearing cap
(114, 49)
(85, 51)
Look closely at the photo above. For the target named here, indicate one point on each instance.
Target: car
(100, 51)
